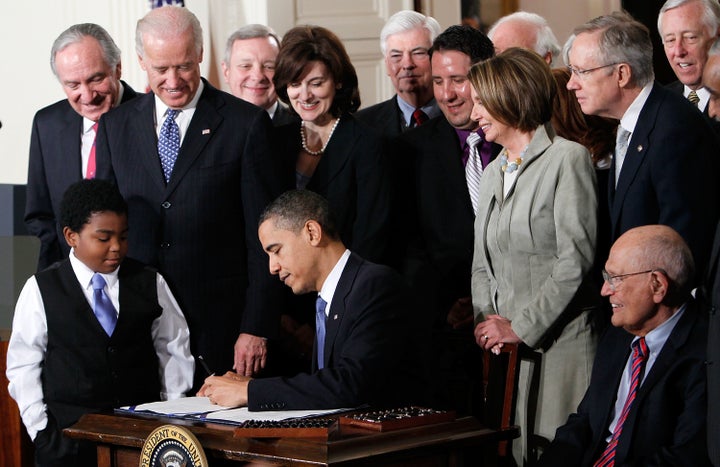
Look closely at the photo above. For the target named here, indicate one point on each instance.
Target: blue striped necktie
(639, 357)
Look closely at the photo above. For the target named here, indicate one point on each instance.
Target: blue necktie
(320, 305)
(103, 307)
(169, 143)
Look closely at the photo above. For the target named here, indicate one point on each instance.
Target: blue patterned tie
(103, 307)
(320, 305)
(169, 143)
(639, 357)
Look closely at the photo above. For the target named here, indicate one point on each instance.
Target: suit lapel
(335, 157)
(143, 128)
(70, 166)
(339, 303)
(203, 125)
(638, 146)
(448, 149)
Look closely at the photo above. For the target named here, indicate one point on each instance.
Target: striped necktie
(639, 357)
(473, 169)
(693, 98)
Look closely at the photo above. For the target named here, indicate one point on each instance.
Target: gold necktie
(693, 98)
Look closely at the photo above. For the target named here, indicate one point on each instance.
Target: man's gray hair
(545, 41)
(168, 20)
(710, 19)
(77, 33)
(407, 20)
(622, 40)
(250, 31)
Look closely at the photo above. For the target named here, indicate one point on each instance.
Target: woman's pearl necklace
(304, 141)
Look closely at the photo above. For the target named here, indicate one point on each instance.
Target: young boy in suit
(94, 331)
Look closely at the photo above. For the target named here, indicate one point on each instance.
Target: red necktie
(90, 173)
(419, 117)
(639, 357)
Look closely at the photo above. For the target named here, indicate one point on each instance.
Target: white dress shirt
(28, 344)
(327, 291)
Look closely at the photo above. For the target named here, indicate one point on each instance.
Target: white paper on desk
(237, 416)
(176, 407)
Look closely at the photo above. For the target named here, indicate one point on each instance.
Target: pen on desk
(205, 366)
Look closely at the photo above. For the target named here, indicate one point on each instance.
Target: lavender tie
(102, 306)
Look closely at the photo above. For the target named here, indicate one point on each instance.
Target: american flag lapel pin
(206, 131)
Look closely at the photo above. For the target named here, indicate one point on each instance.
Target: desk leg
(104, 456)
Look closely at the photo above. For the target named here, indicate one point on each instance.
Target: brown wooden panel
(16, 445)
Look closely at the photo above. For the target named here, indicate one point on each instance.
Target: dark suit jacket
(54, 165)
(679, 88)
(353, 175)
(372, 352)
(440, 255)
(283, 116)
(385, 117)
(200, 230)
(669, 175)
(666, 424)
(711, 294)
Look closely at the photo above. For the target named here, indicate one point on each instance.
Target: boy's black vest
(84, 369)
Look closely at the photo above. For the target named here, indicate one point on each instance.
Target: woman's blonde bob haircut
(516, 87)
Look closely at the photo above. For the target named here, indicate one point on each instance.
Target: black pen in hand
(205, 366)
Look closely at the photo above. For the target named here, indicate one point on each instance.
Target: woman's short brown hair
(305, 44)
(515, 87)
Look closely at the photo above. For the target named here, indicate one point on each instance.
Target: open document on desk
(201, 409)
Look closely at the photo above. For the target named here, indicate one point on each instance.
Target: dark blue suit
(54, 165)
(372, 349)
(669, 174)
(666, 424)
(200, 230)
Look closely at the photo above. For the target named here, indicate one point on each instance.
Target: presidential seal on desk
(172, 446)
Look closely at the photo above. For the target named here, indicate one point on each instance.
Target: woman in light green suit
(535, 236)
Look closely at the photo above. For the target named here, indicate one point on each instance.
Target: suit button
(111, 350)
(166, 205)
(712, 310)
(165, 245)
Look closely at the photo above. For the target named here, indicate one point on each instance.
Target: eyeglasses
(614, 281)
(582, 74)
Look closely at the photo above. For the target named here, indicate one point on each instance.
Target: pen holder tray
(395, 419)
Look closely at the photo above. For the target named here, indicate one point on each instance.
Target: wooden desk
(17, 449)
(120, 437)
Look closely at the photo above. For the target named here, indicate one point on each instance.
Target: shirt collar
(84, 274)
(430, 109)
(327, 291)
(630, 117)
(161, 107)
(656, 338)
(702, 93)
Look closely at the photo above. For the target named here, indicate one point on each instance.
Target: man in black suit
(668, 173)
(192, 211)
(249, 67)
(660, 420)
(711, 290)
(86, 61)
(687, 30)
(369, 353)
(440, 232)
(405, 41)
